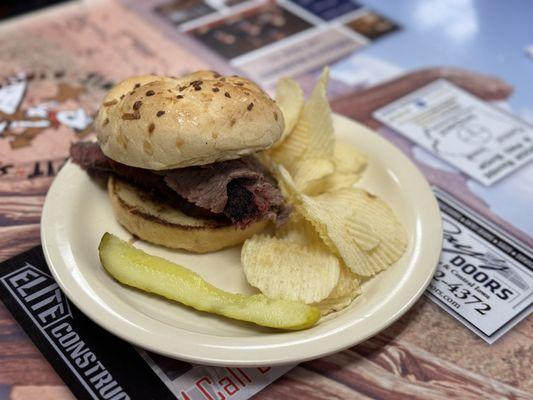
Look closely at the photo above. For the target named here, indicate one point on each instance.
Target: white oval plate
(77, 212)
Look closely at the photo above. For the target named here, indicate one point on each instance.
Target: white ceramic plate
(77, 212)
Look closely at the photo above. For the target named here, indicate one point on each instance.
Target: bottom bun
(164, 225)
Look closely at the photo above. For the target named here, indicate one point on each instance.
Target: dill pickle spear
(134, 267)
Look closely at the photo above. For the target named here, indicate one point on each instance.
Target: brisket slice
(241, 191)
(90, 157)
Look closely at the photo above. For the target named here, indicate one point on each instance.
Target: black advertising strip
(11, 8)
(500, 241)
(93, 363)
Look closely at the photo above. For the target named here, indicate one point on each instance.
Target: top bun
(160, 123)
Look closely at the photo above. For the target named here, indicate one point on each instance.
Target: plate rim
(238, 360)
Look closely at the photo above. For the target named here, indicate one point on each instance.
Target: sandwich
(180, 159)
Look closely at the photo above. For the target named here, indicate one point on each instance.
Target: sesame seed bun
(161, 123)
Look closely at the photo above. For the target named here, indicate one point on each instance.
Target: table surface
(425, 355)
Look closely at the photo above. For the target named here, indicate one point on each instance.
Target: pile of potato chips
(338, 235)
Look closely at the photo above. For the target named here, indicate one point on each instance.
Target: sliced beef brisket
(240, 190)
(90, 157)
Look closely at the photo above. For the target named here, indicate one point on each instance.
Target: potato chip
(360, 225)
(349, 163)
(286, 184)
(336, 210)
(333, 209)
(364, 258)
(289, 271)
(298, 230)
(348, 283)
(393, 239)
(348, 159)
(342, 295)
(317, 112)
(366, 236)
(312, 135)
(357, 226)
(372, 211)
(290, 99)
(331, 305)
(309, 173)
(334, 181)
(293, 146)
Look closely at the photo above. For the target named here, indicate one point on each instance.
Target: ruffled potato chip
(334, 209)
(298, 230)
(334, 181)
(290, 99)
(349, 165)
(293, 146)
(312, 135)
(348, 159)
(329, 306)
(286, 184)
(310, 173)
(348, 283)
(335, 304)
(285, 270)
(357, 226)
(321, 139)
(342, 295)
